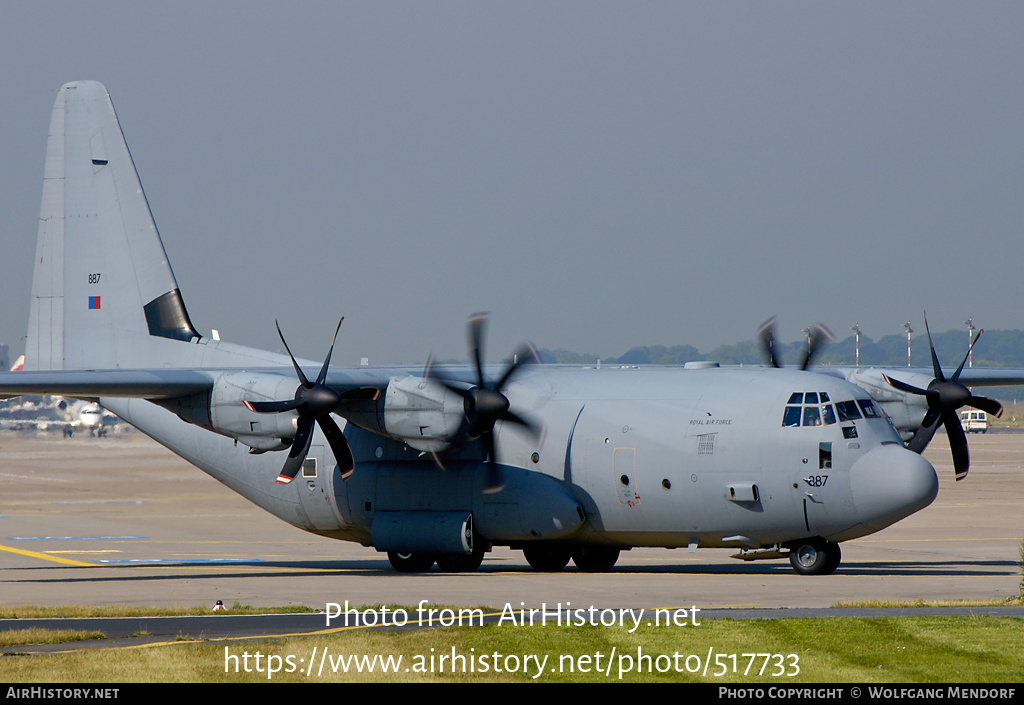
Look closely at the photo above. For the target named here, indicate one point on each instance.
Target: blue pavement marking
(178, 561)
(76, 538)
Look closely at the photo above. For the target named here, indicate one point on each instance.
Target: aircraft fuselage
(629, 457)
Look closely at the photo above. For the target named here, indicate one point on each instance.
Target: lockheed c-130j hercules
(440, 464)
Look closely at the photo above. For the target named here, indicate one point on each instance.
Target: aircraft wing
(970, 377)
(147, 384)
(991, 377)
(168, 383)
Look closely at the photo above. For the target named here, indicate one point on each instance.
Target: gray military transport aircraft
(441, 464)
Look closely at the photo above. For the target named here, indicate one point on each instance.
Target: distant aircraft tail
(103, 293)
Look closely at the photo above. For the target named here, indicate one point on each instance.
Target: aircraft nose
(889, 483)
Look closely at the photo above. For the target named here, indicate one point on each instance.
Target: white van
(974, 421)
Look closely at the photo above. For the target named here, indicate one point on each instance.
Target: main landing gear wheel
(595, 559)
(815, 557)
(461, 562)
(411, 562)
(547, 559)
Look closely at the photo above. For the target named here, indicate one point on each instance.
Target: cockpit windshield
(816, 409)
(809, 409)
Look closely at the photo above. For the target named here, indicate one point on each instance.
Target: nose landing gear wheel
(815, 557)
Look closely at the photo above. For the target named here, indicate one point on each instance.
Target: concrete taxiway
(122, 521)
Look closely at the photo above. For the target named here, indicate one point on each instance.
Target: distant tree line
(997, 348)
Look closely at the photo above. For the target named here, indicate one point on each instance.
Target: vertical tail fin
(103, 293)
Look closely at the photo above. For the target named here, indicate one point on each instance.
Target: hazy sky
(597, 175)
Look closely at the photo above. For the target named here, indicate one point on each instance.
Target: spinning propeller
(945, 397)
(314, 402)
(485, 404)
(819, 335)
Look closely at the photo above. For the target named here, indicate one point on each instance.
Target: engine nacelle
(421, 413)
(222, 410)
(906, 411)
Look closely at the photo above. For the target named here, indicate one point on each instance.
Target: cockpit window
(870, 412)
(828, 414)
(847, 410)
(814, 411)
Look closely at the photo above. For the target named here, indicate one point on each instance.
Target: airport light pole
(970, 334)
(856, 331)
(909, 331)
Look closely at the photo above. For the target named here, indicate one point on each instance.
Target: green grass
(22, 637)
(870, 604)
(914, 649)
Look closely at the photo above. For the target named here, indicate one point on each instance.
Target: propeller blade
(525, 355)
(820, 334)
(926, 431)
(297, 454)
(272, 407)
(327, 361)
(298, 370)
(494, 482)
(957, 444)
(956, 375)
(903, 386)
(989, 406)
(339, 445)
(530, 426)
(936, 367)
(477, 324)
(437, 461)
(767, 332)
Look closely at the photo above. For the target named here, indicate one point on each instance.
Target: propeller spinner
(485, 404)
(314, 402)
(945, 397)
